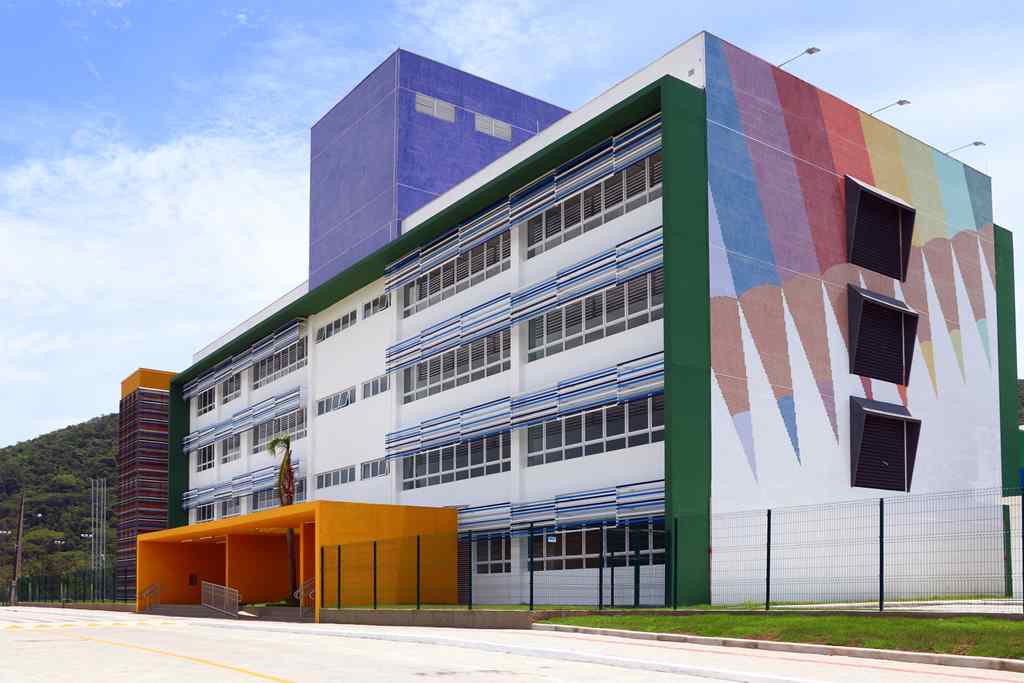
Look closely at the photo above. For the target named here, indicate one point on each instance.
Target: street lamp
(897, 103)
(976, 143)
(808, 51)
(59, 541)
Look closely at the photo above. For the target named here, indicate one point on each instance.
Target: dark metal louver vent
(883, 445)
(882, 335)
(879, 228)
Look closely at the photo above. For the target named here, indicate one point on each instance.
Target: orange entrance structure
(249, 552)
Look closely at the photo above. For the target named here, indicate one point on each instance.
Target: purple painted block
(374, 159)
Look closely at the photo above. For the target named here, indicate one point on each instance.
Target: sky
(154, 156)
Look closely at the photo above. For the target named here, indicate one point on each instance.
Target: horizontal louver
(880, 344)
(882, 462)
(879, 229)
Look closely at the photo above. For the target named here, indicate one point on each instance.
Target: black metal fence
(78, 586)
(957, 551)
(589, 565)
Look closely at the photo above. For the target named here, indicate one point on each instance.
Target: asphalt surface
(43, 644)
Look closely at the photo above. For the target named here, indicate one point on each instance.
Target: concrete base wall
(435, 618)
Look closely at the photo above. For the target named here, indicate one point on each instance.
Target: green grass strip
(976, 636)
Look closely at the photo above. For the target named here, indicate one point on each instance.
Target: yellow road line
(197, 660)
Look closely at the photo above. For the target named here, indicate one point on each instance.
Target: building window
(231, 449)
(439, 109)
(264, 499)
(332, 328)
(205, 459)
(628, 189)
(342, 475)
(336, 401)
(599, 315)
(206, 401)
(601, 430)
(470, 362)
(469, 459)
(231, 388)
(879, 229)
(377, 385)
(380, 467)
(494, 555)
(377, 305)
(280, 364)
(494, 127)
(206, 512)
(293, 424)
(457, 274)
(231, 507)
(582, 548)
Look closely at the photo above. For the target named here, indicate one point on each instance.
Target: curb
(990, 663)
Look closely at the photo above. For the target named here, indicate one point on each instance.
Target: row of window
(342, 475)
(381, 467)
(293, 424)
(593, 206)
(337, 401)
(493, 127)
(206, 401)
(258, 500)
(470, 362)
(566, 549)
(490, 455)
(332, 328)
(457, 274)
(602, 314)
(601, 430)
(377, 385)
(285, 361)
(376, 305)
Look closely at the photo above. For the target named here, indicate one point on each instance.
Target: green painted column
(177, 460)
(687, 338)
(1009, 432)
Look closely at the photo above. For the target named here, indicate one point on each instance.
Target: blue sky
(154, 155)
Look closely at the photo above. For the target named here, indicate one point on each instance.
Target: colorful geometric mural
(778, 153)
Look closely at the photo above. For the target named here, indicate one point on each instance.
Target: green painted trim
(687, 337)
(177, 460)
(1007, 553)
(1006, 321)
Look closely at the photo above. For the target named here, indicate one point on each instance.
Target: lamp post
(897, 103)
(976, 143)
(809, 51)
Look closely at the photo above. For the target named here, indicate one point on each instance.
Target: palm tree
(286, 494)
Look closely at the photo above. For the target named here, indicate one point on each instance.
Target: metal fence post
(611, 595)
(322, 555)
(675, 562)
(768, 566)
(470, 569)
(417, 571)
(600, 572)
(1021, 549)
(881, 554)
(636, 575)
(375, 575)
(338, 577)
(529, 554)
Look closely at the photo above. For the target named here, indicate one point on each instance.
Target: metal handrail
(306, 594)
(150, 596)
(220, 598)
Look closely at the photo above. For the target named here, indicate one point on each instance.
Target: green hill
(54, 470)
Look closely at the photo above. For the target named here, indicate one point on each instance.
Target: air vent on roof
(883, 445)
(882, 334)
(879, 229)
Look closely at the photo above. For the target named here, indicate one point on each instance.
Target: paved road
(39, 644)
